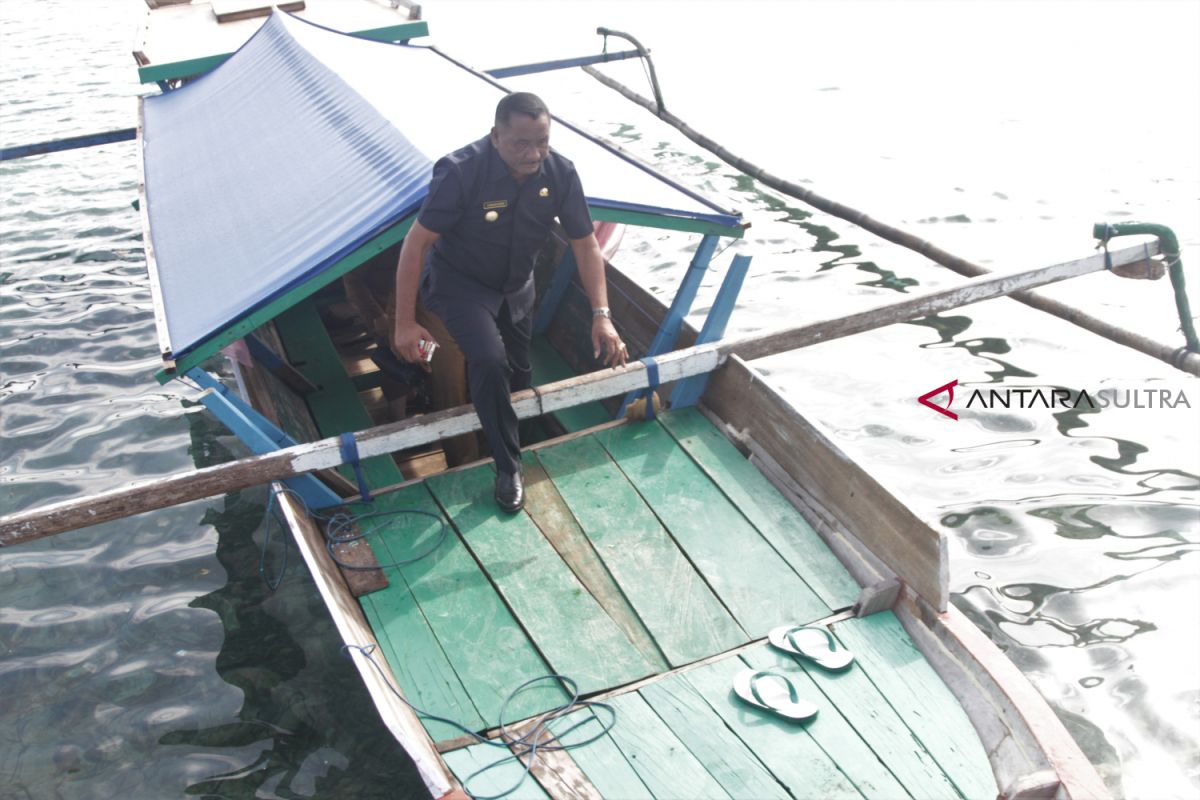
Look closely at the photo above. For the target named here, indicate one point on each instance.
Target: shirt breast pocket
(493, 225)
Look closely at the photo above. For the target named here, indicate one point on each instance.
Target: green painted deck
(645, 548)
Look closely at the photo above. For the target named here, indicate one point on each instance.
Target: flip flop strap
(833, 645)
(754, 679)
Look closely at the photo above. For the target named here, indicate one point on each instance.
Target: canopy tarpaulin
(306, 144)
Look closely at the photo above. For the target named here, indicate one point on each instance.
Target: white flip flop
(813, 643)
(777, 696)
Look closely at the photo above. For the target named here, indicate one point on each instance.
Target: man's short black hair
(519, 103)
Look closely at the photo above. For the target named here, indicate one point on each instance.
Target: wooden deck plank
(548, 366)
(663, 763)
(494, 781)
(882, 729)
(487, 648)
(721, 752)
(602, 761)
(546, 507)
(682, 614)
(785, 748)
(832, 732)
(418, 664)
(775, 518)
(760, 589)
(562, 618)
(902, 675)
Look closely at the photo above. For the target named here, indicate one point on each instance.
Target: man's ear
(495, 136)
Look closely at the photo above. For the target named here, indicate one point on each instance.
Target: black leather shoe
(510, 491)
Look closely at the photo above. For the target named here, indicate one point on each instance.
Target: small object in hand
(427, 349)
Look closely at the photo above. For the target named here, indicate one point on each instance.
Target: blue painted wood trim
(69, 143)
(259, 434)
(554, 293)
(668, 331)
(688, 390)
(562, 63)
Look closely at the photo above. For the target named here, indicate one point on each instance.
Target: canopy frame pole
(687, 392)
(668, 330)
(562, 63)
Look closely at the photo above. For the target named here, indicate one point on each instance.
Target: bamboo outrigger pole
(304, 458)
(1182, 358)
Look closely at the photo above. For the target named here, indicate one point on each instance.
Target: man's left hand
(606, 343)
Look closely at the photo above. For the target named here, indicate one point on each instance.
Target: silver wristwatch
(602, 311)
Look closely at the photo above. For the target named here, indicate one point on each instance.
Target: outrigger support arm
(1169, 245)
(1175, 356)
(697, 360)
(644, 53)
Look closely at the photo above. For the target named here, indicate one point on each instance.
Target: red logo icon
(948, 388)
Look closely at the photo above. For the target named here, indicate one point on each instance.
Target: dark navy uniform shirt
(491, 228)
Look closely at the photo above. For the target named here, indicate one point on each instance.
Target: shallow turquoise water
(144, 658)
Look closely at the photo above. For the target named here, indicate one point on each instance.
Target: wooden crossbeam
(416, 431)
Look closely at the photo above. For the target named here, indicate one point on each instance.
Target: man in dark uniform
(470, 254)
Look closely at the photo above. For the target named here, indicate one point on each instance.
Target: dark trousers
(497, 354)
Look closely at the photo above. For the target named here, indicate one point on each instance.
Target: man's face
(523, 143)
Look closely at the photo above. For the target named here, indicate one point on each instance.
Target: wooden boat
(655, 552)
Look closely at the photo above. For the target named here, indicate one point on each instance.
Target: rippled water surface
(144, 658)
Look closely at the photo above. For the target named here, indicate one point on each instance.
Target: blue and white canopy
(305, 145)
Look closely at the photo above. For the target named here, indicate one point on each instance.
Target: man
(470, 254)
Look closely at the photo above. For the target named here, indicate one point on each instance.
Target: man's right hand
(406, 342)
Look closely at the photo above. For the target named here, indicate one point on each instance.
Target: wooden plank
(486, 647)
(663, 763)
(775, 518)
(758, 587)
(601, 761)
(885, 524)
(548, 366)
(361, 573)
(852, 692)
(561, 617)
(291, 461)
(546, 507)
(1020, 730)
(234, 10)
(554, 769)
(902, 675)
(682, 614)
(353, 628)
(470, 760)
(701, 729)
(785, 748)
(830, 730)
(417, 661)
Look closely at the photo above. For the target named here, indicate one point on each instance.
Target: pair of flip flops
(778, 695)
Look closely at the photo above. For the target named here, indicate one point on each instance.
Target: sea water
(146, 658)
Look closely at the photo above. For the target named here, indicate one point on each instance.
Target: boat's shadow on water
(306, 726)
